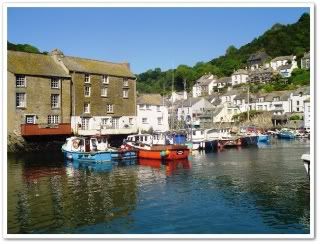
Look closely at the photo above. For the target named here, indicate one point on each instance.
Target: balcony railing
(45, 129)
(107, 130)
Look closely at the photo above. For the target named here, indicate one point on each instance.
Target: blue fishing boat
(263, 138)
(94, 149)
(286, 134)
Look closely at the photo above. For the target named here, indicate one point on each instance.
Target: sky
(147, 38)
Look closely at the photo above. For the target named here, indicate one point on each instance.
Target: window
(21, 100)
(55, 99)
(55, 83)
(20, 81)
(298, 109)
(30, 119)
(109, 108)
(105, 79)
(85, 123)
(87, 91)
(105, 121)
(86, 108)
(159, 121)
(148, 106)
(298, 103)
(261, 99)
(141, 106)
(115, 123)
(144, 120)
(131, 121)
(276, 99)
(125, 82)
(125, 93)
(104, 91)
(158, 108)
(53, 119)
(86, 78)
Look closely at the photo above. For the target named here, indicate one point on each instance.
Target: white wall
(307, 115)
(196, 108)
(152, 114)
(237, 79)
(297, 102)
(95, 125)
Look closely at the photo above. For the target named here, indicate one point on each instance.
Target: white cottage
(307, 114)
(297, 99)
(204, 85)
(152, 113)
(191, 109)
(277, 62)
(240, 76)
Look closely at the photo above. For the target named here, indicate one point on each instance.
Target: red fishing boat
(154, 147)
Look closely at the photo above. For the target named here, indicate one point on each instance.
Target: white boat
(198, 139)
(306, 161)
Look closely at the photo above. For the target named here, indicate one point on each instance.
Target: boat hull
(285, 136)
(100, 156)
(249, 140)
(166, 152)
(263, 138)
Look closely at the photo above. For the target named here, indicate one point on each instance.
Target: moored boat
(286, 134)
(90, 149)
(146, 148)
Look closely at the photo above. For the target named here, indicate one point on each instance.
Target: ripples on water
(249, 190)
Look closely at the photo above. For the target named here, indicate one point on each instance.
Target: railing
(108, 130)
(45, 129)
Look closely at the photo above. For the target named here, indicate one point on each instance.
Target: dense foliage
(278, 41)
(23, 48)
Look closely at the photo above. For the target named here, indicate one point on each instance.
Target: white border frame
(163, 3)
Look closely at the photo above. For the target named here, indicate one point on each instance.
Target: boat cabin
(86, 144)
(217, 133)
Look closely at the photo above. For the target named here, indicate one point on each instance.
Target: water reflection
(262, 190)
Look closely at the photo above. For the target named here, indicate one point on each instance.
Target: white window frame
(87, 78)
(105, 79)
(159, 108)
(148, 107)
(85, 123)
(160, 120)
(21, 79)
(55, 104)
(141, 107)
(87, 93)
(125, 82)
(109, 108)
(53, 119)
(104, 94)
(144, 120)
(86, 108)
(105, 121)
(30, 116)
(55, 83)
(125, 93)
(19, 103)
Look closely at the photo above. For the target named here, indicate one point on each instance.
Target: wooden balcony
(45, 129)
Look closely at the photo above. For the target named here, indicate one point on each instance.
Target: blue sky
(145, 37)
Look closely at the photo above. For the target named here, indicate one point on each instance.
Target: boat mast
(172, 85)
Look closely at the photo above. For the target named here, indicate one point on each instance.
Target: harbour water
(256, 190)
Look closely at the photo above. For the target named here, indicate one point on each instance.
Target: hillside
(280, 40)
(23, 48)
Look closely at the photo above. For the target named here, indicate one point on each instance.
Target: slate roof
(282, 58)
(240, 71)
(187, 102)
(305, 90)
(224, 80)
(150, 99)
(306, 55)
(286, 66)
(204, 80)
(260, 55)
(85, 65)
(34, 64)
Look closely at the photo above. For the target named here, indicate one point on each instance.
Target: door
(87, 145)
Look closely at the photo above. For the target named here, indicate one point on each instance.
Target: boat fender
(163, 153)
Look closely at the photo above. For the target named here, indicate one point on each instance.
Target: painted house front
(307, 114)
(103, 95)
(204, 86)
(297, 99)
(277, 62)
(190, 109)
(152, 113)
(38, 95)
(240, 76)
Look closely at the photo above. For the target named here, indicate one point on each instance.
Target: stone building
(103, 95)
(39, 99)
